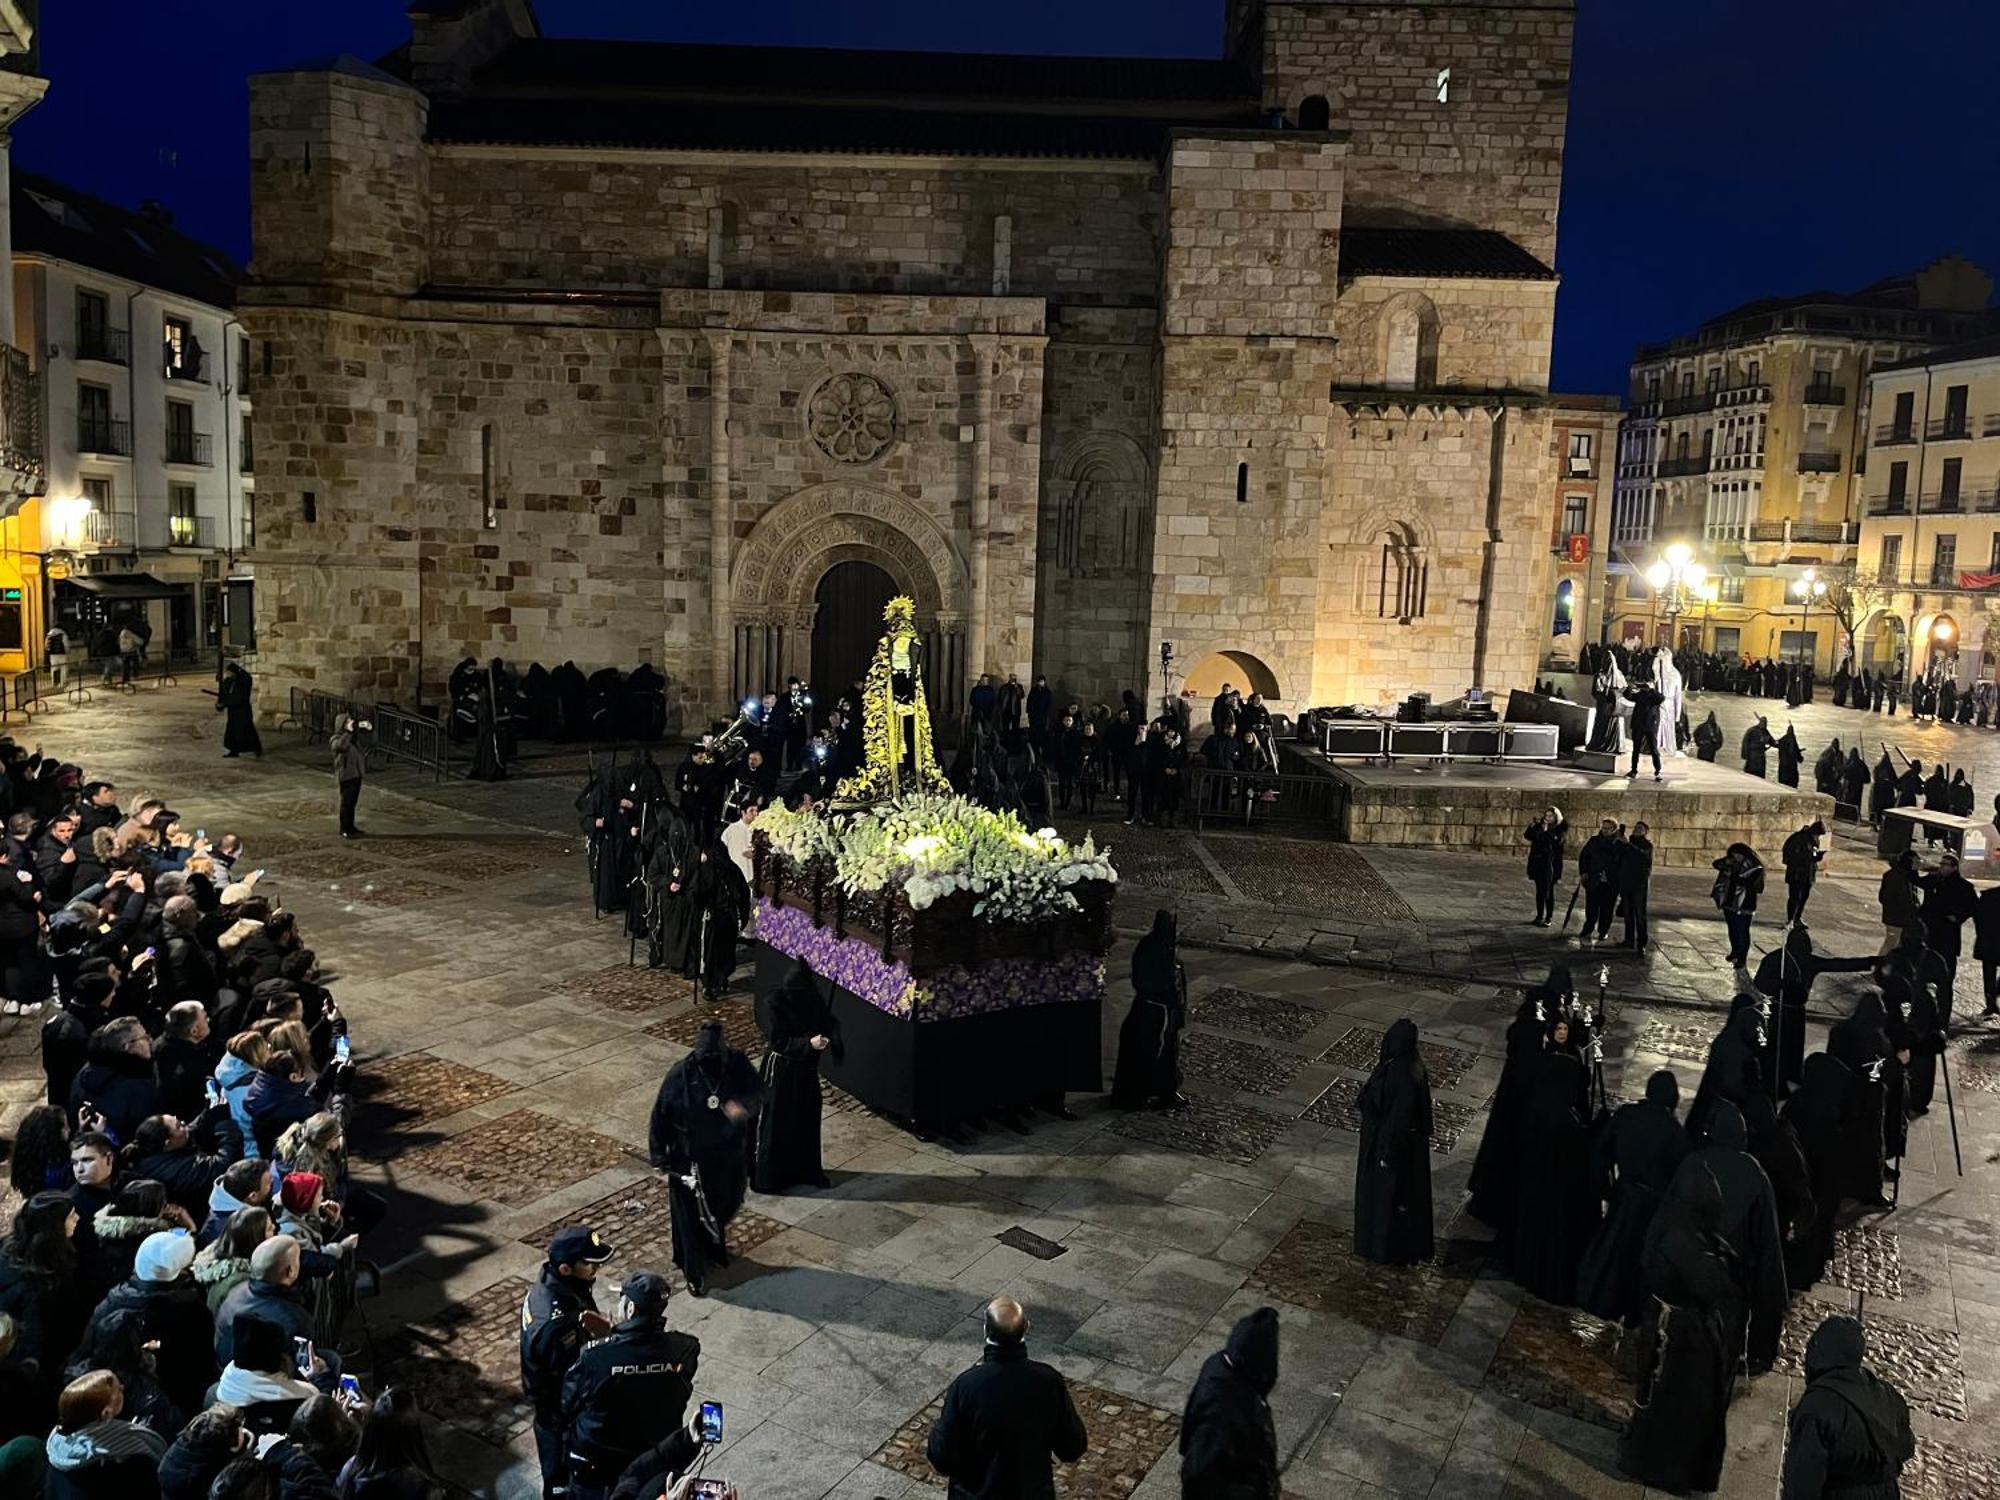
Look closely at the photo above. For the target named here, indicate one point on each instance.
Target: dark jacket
(1229, 1444)
(1850, 1433)
(108, 1460)
(1597, 861)
(1898, 897)
(190, 1468)
(186, 972)
(1635, 866)
(173, 1313)
(121, 1087)
(65, 1047)
(48, 1312)
(1986, 924)
(552, 1337)
(188, 1176)
(273, 1104)
(1545, 850)
(1002, 1419)
(625, 1392)
(1949, 902)
(300, 1476)
(280, 1305)
(182, 1068)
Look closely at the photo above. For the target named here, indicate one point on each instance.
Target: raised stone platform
(1698, 810)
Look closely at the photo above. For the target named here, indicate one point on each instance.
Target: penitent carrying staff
(706, 1105)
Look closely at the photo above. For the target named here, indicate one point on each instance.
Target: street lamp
(1710, 592)
(1677, 580)
(1806, 588)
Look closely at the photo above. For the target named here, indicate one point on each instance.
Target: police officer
(626, 1391)
(557, 1316)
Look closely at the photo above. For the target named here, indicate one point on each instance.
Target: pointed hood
(1252, 1350)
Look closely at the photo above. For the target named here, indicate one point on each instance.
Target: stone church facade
(625, 352)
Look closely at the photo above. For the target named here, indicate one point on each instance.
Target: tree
(1852, 596)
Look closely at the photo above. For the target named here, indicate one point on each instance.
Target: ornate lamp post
(1806, 588)
(1677, 581)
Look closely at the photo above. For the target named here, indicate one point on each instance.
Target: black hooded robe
(1557, 1209)
(1882, 789)
(1775, 1144)
(1854, 781)
(1633, 1162)
(1229, 1444)
(1679, 1430)
(239, 723)
(1495, 1183)
(788, 1126)
(1790, 754)
(1734, 1069)
(1750, 1225)
(700, 1147)
(1788, 974)
(1849, 1433)
(1756, 742)
(1827, 769)
(1392, 1173)
(1872, 1118)
(1149, 1041)
(704, 919)
(1708, 738)
(1817, 1113)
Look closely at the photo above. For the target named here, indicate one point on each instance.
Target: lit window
(1444, 85)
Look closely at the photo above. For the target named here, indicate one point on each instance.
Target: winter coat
(1229, 1444)
(236, 1076)
(190, 1468)
(1001, 1421)
(1898, 897)
(188, 1176)
(120, 1087)
(107, 1460)
(1850, 1432)
(1545, 851)
(218, 1276)
(267, 1402)
(118, 1236)
(173, 1313)
(49, 1312)
(272, 1104)
(280, 1305)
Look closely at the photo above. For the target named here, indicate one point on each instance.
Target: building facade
(149, 494)
(693, 355)
(23, 472)
(1583, 432)
(1930, 529)
(1746, 440)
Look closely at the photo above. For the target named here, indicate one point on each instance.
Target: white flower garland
(933, 846)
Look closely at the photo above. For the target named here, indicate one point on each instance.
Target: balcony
(1819, 463)
(107, 346)
(1889, 505)
(188, 364)
(1819, 393)
(1681, 406)
(103, 437)
(1947, 430)
(1938, 504)
(21, 446)
(191, 531)
(1736, 461)
(1987, 501)
(1991, 428)
(1680, 468)
(190, 447)
(1812, 533)
(1891, 435)
(111, 528)
(1743, 395)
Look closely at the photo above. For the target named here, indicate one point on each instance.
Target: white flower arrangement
(934, 846)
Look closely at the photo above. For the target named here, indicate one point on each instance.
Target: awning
(126, 585)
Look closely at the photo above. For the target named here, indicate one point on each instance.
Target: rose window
(852, 418)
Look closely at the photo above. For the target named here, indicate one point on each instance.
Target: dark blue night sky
(1719, 150)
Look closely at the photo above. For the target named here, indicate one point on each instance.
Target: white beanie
(165, 1256)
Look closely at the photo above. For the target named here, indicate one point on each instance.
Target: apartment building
(1745, 440)
(1585, 429)
(147, 504)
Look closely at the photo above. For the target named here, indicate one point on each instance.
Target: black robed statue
(1392, 1174)
(700, 1117)
(1149, 1043)
(802, 1028)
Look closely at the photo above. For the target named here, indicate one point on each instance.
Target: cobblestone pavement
(512, 1065)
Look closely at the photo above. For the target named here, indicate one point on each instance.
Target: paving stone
(837, 1101)
(1340, 1105)
(1177, 872)
(632, 989)
(1127, 1438)
(1307, 874)
(1204, 1127)
(739, 1027)
(1922, 1363)
(1238, 1065)
(1314, 1266)
(465, 1363)
(1232, 1009)
(401, 1093)
(1949, 1471)
(1682, 1040)
(339, 863)
(478, 864)
(638, 1224)
(1361, 1049)
(1563, 1360)
(398, 890)
(1867, 1258)
(520, 1157)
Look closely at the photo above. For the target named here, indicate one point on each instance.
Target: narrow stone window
(489, 517)
(1243, 484)
(1315, 113)
(267, 357)
(311, 507)
(1402, 587)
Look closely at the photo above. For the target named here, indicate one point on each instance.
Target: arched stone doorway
(1938, 638)
(1239, 669)
(776, 590)
(1882, 642)
(847, 621)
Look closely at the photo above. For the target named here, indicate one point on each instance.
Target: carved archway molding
(781, 562)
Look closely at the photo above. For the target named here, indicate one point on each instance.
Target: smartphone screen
(708, 1489)
(302, 1355)
(711, 1421)
(342, 1050)
(350, 1387)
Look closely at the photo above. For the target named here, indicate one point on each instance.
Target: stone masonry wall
(1098, 429)
(1250, 289)
(1489, 156)
(1424, 475)
(1491, 335)
(1077, 235)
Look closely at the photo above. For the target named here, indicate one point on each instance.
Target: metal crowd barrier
(412, 738)
(1263, 797)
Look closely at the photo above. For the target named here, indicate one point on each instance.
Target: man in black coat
(183, 1059)
(1850, 1432)
(117, 1084)
(1802, 855)
(1635, 886)
(1645, 721)
(66, 1034)
(1229, 1445)
(1950, 901)
(1986, 946)
(1005, 1418)
(627, 1390)
(1597, 868)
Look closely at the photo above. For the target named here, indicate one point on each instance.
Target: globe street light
(1807, 587)
(1677, 579)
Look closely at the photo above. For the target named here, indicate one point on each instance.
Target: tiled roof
(1470, 253)
(575, 67)
(702, 126)
(53, 219)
